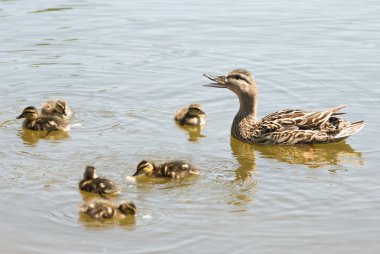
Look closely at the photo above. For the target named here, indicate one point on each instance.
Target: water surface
(126, 66)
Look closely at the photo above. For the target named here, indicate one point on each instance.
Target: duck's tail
(350, 130)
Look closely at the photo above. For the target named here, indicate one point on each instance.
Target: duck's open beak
(220, 81)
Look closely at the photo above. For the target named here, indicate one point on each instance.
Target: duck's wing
(291, 119)
(301, 127)
(292, 137)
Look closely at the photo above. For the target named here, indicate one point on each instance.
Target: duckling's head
(144, 168)
(128, 208)
(195, 109)
(90, 173)
(29, 113)
(61, 107)
(239, 81)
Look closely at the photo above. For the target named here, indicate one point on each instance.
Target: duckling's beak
(64, 113)
(220, 81)
(202, 112)
(20, 116)
(137, 173)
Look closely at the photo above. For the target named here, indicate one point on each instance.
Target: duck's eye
(238, 77)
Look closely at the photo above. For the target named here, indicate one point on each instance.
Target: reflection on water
(164, 183)
(32, 137)
(312, 156)
(240, 199)
(244, 180)
(127, 223)
(246, 157)
(52, 9)
(88, 196)
(193, 131)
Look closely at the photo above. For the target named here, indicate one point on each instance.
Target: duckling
(94, 184)
(104, 209)
(191, 115)
(34, 121)
(172, 169)
(59, 109)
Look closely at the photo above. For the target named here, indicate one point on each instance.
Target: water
(126, 66)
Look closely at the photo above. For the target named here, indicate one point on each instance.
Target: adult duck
(287, 127)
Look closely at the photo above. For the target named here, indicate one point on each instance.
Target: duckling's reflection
(88, 196)
(31, 137)
(193, 131)
(147, 184)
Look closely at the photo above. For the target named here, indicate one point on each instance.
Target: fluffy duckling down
(56, 108)
(34, 121)
(176, 169)
(104, 209)
(94, 184)
(192, 115)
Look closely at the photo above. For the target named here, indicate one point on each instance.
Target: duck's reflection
(194, 132)
(312, 156)
(244, 180)
(31, 137)
(246, 157)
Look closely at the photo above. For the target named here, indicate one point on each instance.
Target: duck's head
(30, 113)
(239, 81)
(195, 109)
(90, 173)
(144, 168)
(127, 208)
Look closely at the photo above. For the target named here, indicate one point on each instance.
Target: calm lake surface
(125, 67)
